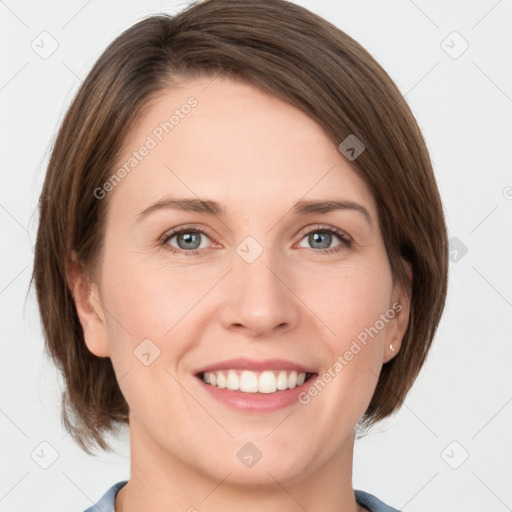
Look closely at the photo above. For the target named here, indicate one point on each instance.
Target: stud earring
(391, 347)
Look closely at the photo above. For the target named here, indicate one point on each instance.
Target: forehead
(232, 142)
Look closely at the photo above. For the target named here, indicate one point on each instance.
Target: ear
(88, 306)
(401, 305)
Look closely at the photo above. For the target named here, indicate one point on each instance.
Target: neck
(159, 481)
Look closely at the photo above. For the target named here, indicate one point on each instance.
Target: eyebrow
(214, 208)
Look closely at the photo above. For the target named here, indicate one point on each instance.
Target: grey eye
(187, 239)
(322, 238)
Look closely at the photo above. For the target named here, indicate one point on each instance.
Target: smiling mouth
(246, 381)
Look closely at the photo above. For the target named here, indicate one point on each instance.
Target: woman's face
(263, 279)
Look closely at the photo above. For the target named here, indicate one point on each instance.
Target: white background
(464, 107)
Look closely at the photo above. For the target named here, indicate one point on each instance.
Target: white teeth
(292, 380)
(267, 383)
(221, 381)
(233, 381)
(248, 382)
(255, 382)
(282, 381)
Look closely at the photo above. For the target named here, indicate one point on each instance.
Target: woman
(241, 254)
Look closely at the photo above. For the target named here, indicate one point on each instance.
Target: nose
(259, 299)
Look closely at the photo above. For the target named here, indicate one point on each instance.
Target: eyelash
(346, 242)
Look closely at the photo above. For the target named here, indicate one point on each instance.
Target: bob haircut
(303, 60)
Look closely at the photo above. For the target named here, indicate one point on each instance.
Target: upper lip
(255, 365)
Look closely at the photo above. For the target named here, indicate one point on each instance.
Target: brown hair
(299, 58)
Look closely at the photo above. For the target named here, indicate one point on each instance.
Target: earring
(391, 347)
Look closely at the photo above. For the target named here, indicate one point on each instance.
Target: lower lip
(257, 402)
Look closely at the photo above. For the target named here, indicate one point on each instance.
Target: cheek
(350, 302)
(143, 306)
(148, 301)
(347, 299)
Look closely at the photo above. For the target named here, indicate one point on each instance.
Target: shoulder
(106, 502)
(372, 503)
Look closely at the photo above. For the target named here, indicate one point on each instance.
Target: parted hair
(296, 56)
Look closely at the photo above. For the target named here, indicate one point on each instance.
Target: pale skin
(257, 157)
